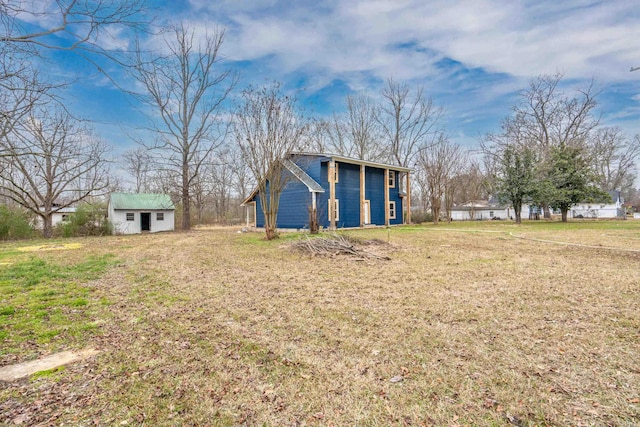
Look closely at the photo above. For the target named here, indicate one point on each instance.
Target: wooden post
(362, 197)
(332, 194)
(408, 198)
(386, 197)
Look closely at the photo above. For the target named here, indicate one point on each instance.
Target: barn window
(336, 211)
(392, 210)
(491, 214)
(130, 216)
(160, 216)
(392, 179)
(65, 218)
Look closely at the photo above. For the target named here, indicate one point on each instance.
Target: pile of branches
(335, 245)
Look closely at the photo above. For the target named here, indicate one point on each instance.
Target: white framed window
(392, 210)
(336, 210)
(130, 216)
(159, 216)
(65, 218)
(392, 179)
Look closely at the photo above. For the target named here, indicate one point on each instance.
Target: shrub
(14, 224)
(87, 220)
(419, 217)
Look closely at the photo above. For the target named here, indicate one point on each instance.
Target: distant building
(480, 210)
(59, 216)
(137, 213)
(363, 193)
(613, 209)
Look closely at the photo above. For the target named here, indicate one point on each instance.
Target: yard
(482, 324)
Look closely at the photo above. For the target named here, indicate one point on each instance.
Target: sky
(471, 57)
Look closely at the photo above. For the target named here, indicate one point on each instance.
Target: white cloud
(517, 38)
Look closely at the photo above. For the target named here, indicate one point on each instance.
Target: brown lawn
(467, 324)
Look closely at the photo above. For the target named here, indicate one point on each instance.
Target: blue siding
(394, 196)
(295, 202)
(296, 199)
(374, 192)
(348, 194)
(323, 198)
(292, 212)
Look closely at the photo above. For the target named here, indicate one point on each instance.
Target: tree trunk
(564, 214)
(517, 210)
(436, 214)
(47, 226)
(186, 200)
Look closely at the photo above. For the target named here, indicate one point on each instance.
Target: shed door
(145, 221)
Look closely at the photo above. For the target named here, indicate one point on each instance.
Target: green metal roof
(141, 201)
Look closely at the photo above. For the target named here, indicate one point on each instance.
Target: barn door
(145, 221)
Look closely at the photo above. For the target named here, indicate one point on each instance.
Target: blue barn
(362, 193)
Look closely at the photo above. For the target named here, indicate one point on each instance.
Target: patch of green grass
(43, 301)
(47, 373)
(7, 311)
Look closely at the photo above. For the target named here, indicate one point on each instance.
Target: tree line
(553, 153)
(208, 143)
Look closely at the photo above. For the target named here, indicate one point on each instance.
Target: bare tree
(613, 158)
(201, 190)
(356, 133)
(548, 117)
(54, 162)
(187, 90)
(268, 127)
(138, 162)
(409, 122)
(360, 129)
(440, 164)
(473, 186)
(319, 138)
(77, 24)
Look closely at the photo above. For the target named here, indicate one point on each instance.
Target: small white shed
(140, 212)
(58, 216)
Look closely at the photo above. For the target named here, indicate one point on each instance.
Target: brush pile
(339, 245)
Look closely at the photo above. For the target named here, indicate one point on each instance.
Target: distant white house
(137, 213)
(58, 217)
(483, 210)
(613, 209)
(480, 210)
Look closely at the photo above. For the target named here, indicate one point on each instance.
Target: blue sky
(472, 57)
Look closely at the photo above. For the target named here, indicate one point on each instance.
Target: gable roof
(141, 201)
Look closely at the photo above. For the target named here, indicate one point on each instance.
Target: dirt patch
(22, 370)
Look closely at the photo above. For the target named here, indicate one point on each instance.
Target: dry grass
(474, 327)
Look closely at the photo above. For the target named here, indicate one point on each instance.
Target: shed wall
(120, 224)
